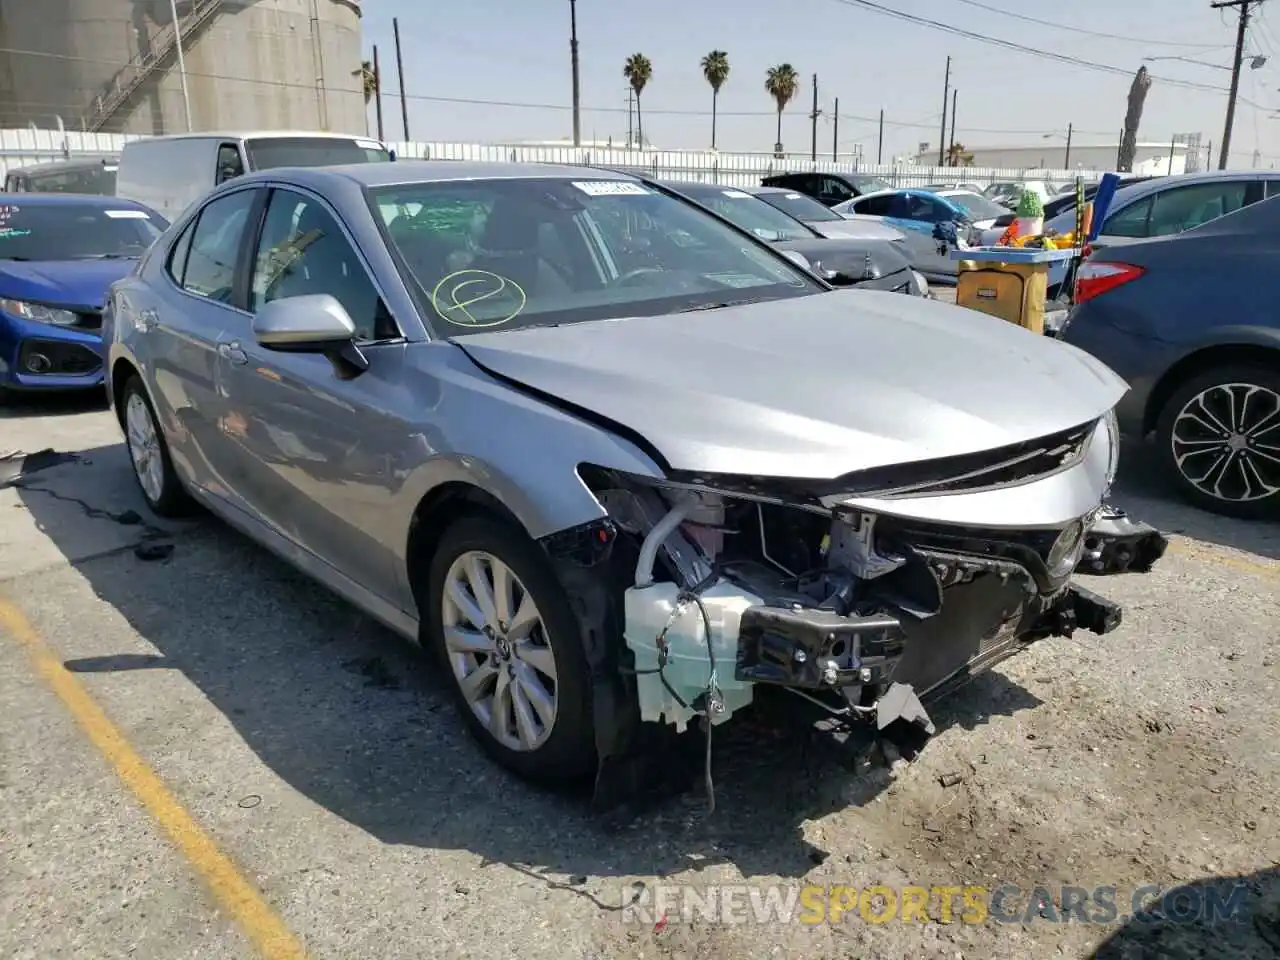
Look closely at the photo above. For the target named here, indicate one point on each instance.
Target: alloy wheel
(499, 650)
(1226, 442)
(144, 447)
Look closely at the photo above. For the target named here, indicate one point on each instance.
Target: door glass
(835, 191)
(177, 264)
(875, 206)
(230, 165)
(1186, 207)
(303, 251)
(215, 245)
(1130, 222)
(1273, 188)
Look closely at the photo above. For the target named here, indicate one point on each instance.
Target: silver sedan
(620, 464)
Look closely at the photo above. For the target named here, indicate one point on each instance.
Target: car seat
(509, 247)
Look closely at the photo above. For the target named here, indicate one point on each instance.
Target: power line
(1023, 48)
(1087, 33)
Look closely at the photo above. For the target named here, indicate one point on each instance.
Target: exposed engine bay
(867, 616)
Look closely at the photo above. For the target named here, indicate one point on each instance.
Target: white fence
(20, 148)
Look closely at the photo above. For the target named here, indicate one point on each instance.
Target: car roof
(775, 191)
(432, 171)
(101, 163)
(255, 135)
(70, 199)
(1166, 181)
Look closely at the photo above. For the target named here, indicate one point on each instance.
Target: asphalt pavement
(205, 755)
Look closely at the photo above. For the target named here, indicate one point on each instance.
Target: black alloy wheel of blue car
(1218, 437)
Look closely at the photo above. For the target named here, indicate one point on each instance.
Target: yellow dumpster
(1006, 282)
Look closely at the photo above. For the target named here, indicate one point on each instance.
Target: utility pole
(946, 92)
(377, 91)
(404, 100)
(573, 59)
(880, 141)
(813, 123)
(630, 134)
(835, 132)
(1208, 155)
(1241, 28)
(955, 159)
(1066, 160)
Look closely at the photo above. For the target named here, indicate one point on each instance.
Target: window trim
(271, 186)
(193, 223)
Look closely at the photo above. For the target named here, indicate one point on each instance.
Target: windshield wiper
(17, 259)
(110, 256)
(721, 304)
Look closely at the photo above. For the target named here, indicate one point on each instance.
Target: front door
(187, 319)
(317, 448)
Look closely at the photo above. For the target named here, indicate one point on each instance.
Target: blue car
(58, 255)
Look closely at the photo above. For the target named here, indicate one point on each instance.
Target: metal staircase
(117, 91)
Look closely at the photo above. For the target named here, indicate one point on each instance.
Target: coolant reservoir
(688, 670)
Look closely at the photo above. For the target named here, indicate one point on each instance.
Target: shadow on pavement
(1213, 918)
(356, 720)
(1147, 495)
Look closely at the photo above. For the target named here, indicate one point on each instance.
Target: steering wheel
(626, 278)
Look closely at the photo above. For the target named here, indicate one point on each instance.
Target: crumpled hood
(65, 283)
(810, 387)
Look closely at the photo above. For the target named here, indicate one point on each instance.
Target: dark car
(94, 177)
(59, 253)
(1191, 322)
(873, 264)
(828, 188)
(1067, 198)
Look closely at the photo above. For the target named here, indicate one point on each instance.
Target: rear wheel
(1219, 439)
(503, 627)
(149, 453)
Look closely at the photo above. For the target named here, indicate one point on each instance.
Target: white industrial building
(1151, 157)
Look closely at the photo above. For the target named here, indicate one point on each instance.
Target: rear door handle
(232, 352)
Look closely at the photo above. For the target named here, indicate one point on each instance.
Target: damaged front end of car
(731, 586)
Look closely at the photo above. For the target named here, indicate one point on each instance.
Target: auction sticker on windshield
(127, 214)
(610, 188)
(736, 194)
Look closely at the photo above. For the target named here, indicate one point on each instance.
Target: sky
(497, 71)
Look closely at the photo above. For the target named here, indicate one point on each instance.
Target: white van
(168, 174)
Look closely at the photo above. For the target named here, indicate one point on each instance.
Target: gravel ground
(321, 755)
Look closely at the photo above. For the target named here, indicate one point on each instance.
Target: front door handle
(232, 352)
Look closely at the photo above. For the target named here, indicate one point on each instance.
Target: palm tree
(782, 82)
(715, 67)
(1132, 118)
(959, 156)
(638, 71)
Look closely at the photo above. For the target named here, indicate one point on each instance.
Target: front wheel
(1219, 439)
(152, 467)
(500, 621)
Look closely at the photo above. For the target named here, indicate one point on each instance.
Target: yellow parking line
(234, 894)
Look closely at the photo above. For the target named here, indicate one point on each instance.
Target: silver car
(619, 463)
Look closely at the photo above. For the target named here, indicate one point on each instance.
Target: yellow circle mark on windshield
(456, 293)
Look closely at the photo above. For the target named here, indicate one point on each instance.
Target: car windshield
(1001, 190)
(268, 152)
(977, 207)
(749, 212)
(800, 206)
(75, 231)
(97, 180)
(869, 184)
(484, 255)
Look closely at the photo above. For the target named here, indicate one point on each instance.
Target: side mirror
(312, 323)
(799, 259)
(391, 155)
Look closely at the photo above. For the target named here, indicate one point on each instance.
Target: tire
(1188, 458)
(566, 751)
(167, 497)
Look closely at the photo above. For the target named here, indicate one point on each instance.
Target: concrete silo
(112, 65)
